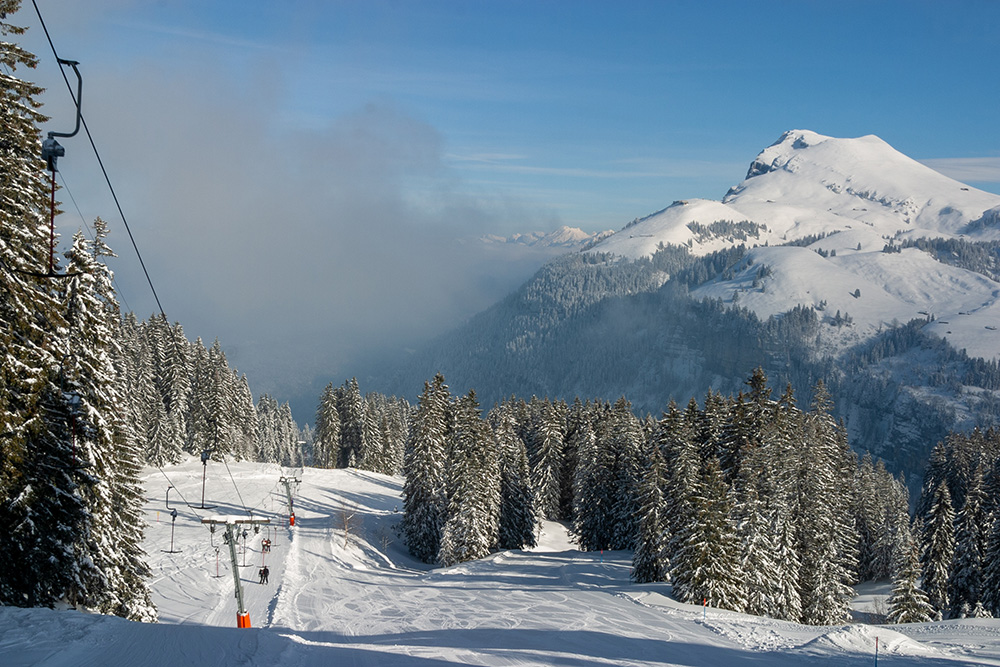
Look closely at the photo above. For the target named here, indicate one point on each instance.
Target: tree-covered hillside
(597, 325)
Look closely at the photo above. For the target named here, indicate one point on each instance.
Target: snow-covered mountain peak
(807, 184)
(564, 237)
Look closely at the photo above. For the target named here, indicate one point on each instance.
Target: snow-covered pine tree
(547, 460)
(965, 582)
(577, 419)
(678, 443)
(706, 567)
(473, 487)
(820, 511)
(424, 498)
(327, 439)
(625, 440)
(200, 435)
(376, 458)
(517, 513)
(351, 407)
(594, 486)
(650, 562)
(115, 497)
(176, 381)
(991, 568)
(938, 548)
(42, 512)
(908, 603)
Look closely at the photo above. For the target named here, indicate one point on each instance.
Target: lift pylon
(230, 522)
(288, 481)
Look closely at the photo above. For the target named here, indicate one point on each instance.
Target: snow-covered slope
(807, 184)
(355, 597)
(858, 195)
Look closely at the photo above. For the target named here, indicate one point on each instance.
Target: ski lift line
(183, 499)
(235, 486)
(114, 280)
(100, 162)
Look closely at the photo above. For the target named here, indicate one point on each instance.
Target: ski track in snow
(362, 600)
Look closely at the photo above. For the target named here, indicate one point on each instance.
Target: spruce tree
(991, 568)
(114, 497)
(424, 497)
(517, 513)
(938, 548)
(650, 562)
(473, 487)
(706, 567)
(594, 486)
(547, 461)
(965, 582)
(908, 603)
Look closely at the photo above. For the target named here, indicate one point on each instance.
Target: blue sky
(293, 166)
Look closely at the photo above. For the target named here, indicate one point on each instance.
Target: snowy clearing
(355, 597)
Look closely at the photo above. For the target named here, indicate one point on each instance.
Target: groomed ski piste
(356, 597)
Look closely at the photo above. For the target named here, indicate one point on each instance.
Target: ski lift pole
(242, 615)
(288, 481)
(205, 455)
(52, 150)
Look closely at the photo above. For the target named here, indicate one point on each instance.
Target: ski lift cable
(100, 162)
(178, 491)
(235, 486)
(114, 280)
(265, 498)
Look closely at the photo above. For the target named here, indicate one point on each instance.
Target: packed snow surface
(353, 596)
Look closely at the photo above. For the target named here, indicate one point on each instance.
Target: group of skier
(263, 574)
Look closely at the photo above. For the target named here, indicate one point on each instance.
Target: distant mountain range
(839, 259)
(564, 238)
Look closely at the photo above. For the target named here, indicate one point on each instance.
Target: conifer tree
(706, 567)
(517, 513)
(114, 496)
(651, 562)
(594, 486)
(351, 408)
(680, 453)
(821, 513)
(44, 515)
(625, 439)
(424, 496)
(908, 603)
(938, 548)
(473, 487)
(547, 461)
(577, 421)
(965, 582)
(991, 569)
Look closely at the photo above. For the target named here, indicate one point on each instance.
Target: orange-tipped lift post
(242, 615)
(288, 481)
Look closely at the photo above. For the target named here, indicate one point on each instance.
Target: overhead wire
(176, 488)
(235, 485)
(128, 229)
(100, 162)
(93, 236)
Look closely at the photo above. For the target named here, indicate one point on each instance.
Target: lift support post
(230, 522)
(288, 481)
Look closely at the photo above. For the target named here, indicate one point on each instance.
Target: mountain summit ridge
(806, 184)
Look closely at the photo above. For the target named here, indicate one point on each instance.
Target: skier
(264, 574)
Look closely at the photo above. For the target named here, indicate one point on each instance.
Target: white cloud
(974, 169)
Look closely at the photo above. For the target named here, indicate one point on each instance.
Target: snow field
(356, 597)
